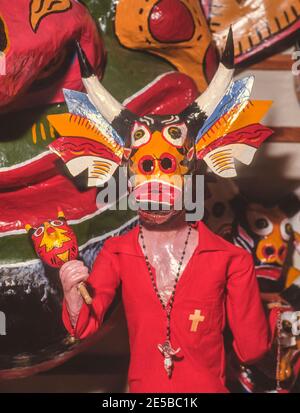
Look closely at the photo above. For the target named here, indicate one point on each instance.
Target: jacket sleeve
(252, 334)
(103, 280)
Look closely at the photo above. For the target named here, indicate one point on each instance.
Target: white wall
(275, 170)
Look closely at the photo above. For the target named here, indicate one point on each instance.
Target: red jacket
(219, 281)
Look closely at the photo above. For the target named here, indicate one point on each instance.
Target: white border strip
(91, 241)
(145, 88)
(99, 211)
(29, 161)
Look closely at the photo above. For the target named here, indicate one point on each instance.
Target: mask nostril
(269, 251)
(146, 165)
(167, 163)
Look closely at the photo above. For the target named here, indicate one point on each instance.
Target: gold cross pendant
(196, 318)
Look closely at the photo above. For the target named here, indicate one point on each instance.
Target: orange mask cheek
(272, 249)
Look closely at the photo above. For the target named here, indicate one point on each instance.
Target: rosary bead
(167, 308)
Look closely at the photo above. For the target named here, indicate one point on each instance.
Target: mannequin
(181, 284)
(214, 273)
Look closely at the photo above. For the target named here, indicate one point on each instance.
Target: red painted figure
(217, 283)
(180, 284)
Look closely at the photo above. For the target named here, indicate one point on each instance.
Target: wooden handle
(85, 294)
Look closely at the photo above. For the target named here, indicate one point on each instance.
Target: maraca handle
(85, 294)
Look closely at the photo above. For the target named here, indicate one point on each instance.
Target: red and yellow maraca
(55, 243)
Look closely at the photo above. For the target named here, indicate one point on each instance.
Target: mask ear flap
(88, 154)
(233, 130)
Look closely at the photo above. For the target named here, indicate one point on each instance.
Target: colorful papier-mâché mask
(37, 39)
(256, 24)
(175, 30)
(294, 270)
(221, 125)
(264, 231)
(54, 241)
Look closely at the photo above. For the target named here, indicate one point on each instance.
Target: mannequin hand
(72, 273)
(273, 300)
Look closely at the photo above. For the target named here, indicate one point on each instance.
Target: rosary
(278, 356)
(166, 348)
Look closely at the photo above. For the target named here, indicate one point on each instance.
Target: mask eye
(39, 231)
(140, 135)
(146, 165)
(175, 134)
(260, 224)
(56, 223)
(286, 229)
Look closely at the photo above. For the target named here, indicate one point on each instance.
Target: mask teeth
(152, 206)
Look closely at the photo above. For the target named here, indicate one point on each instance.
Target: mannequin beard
(162, 219)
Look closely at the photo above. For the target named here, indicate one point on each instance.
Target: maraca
(55, 243)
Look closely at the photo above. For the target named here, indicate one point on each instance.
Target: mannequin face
(161, 218)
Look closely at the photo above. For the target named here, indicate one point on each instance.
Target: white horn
(209, 99)
(104, 102)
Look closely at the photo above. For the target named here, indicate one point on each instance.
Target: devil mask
(219, 127)
(37, 38)
(264, 231)
(54, 241)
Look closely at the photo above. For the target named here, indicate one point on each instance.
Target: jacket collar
(208, 241)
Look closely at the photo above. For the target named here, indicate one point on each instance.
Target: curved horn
(104, 102)
(221, 80)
